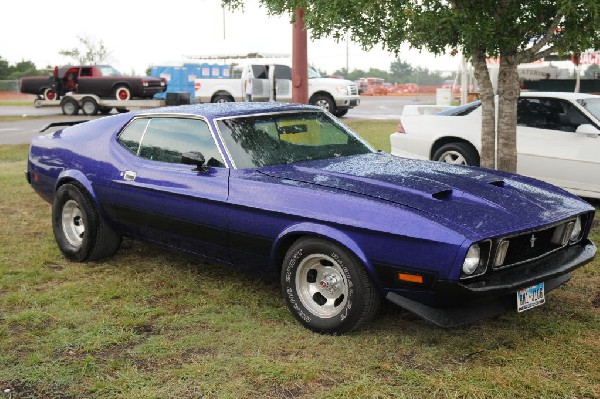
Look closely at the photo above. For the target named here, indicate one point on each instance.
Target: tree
(4, 69)
(592, 72)
(401, 71)
(20, 69)
(515, 31)
(90, 53)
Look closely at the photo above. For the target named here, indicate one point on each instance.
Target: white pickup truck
(335, 95)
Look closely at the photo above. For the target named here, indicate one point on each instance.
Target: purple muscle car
(288, 189)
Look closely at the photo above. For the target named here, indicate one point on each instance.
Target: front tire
(327, 288)
(457, 154)
(80, 231)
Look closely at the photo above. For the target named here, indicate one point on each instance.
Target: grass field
(148, 323)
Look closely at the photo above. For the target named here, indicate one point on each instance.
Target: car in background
(288, 190)
(103, 81)
(558, 138)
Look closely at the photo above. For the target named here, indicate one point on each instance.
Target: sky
(140, 34)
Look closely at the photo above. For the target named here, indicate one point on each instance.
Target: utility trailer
(91, 104)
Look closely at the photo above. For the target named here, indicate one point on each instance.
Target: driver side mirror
(194, 158)
(588, 130)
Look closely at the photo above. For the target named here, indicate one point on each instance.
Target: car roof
(220, 110)
(558, 94)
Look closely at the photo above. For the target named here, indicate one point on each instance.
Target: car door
(283, 83)
(260, 83)
(550, 149)
(166, 201)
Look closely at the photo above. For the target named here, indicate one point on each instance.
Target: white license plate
(530, 297)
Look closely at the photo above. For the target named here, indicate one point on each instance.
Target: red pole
(299, 60)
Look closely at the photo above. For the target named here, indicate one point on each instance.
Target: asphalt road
(21, 131)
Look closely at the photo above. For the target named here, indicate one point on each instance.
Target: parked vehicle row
(558, 138)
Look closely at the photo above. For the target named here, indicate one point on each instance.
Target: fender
(322, 231)
(75, 175)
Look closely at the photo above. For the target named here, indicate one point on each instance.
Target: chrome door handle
(129, 175)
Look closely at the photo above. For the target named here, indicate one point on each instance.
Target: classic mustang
(288, 189)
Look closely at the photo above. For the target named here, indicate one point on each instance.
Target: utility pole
(299, 60)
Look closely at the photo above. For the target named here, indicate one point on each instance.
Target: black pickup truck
(101, 80)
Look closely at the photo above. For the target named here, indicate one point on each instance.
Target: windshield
(313, 74)
(592, 105)
(107, 70)
(278, 139)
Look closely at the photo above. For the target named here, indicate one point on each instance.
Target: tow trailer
(91, 104)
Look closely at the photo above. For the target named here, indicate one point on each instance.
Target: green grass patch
(16, 118)
(15, 103)
(376, 132)
(148, 323)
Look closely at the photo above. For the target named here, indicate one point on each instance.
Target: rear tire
(122, 93)
(457, 154)
(50, 94)
(222, 99)
(80, 231)
(324, 101)
(327, 288)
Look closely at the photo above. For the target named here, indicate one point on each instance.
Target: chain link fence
(9, 85)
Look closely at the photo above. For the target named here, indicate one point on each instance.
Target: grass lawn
(148, 323)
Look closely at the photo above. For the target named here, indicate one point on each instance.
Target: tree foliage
(516, 31)
(20, 69)
(89, 52)
(399, 72)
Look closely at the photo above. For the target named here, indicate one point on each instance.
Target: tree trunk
(488, 111)
(509, 91)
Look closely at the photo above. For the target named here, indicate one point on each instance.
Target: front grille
(352, 90)
(533, 244)
(529, 246)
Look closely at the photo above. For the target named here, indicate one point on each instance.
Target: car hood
(482, 202)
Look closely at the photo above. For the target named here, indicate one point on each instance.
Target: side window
(167, 139)
(131, 137)
(260, 71)
(283, 72)
(549, 113)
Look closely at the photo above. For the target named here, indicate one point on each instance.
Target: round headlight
(472, 259)
(576, 230)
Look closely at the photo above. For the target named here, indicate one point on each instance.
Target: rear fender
(76, 176)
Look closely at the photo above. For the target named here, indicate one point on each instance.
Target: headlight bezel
(484, 248)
